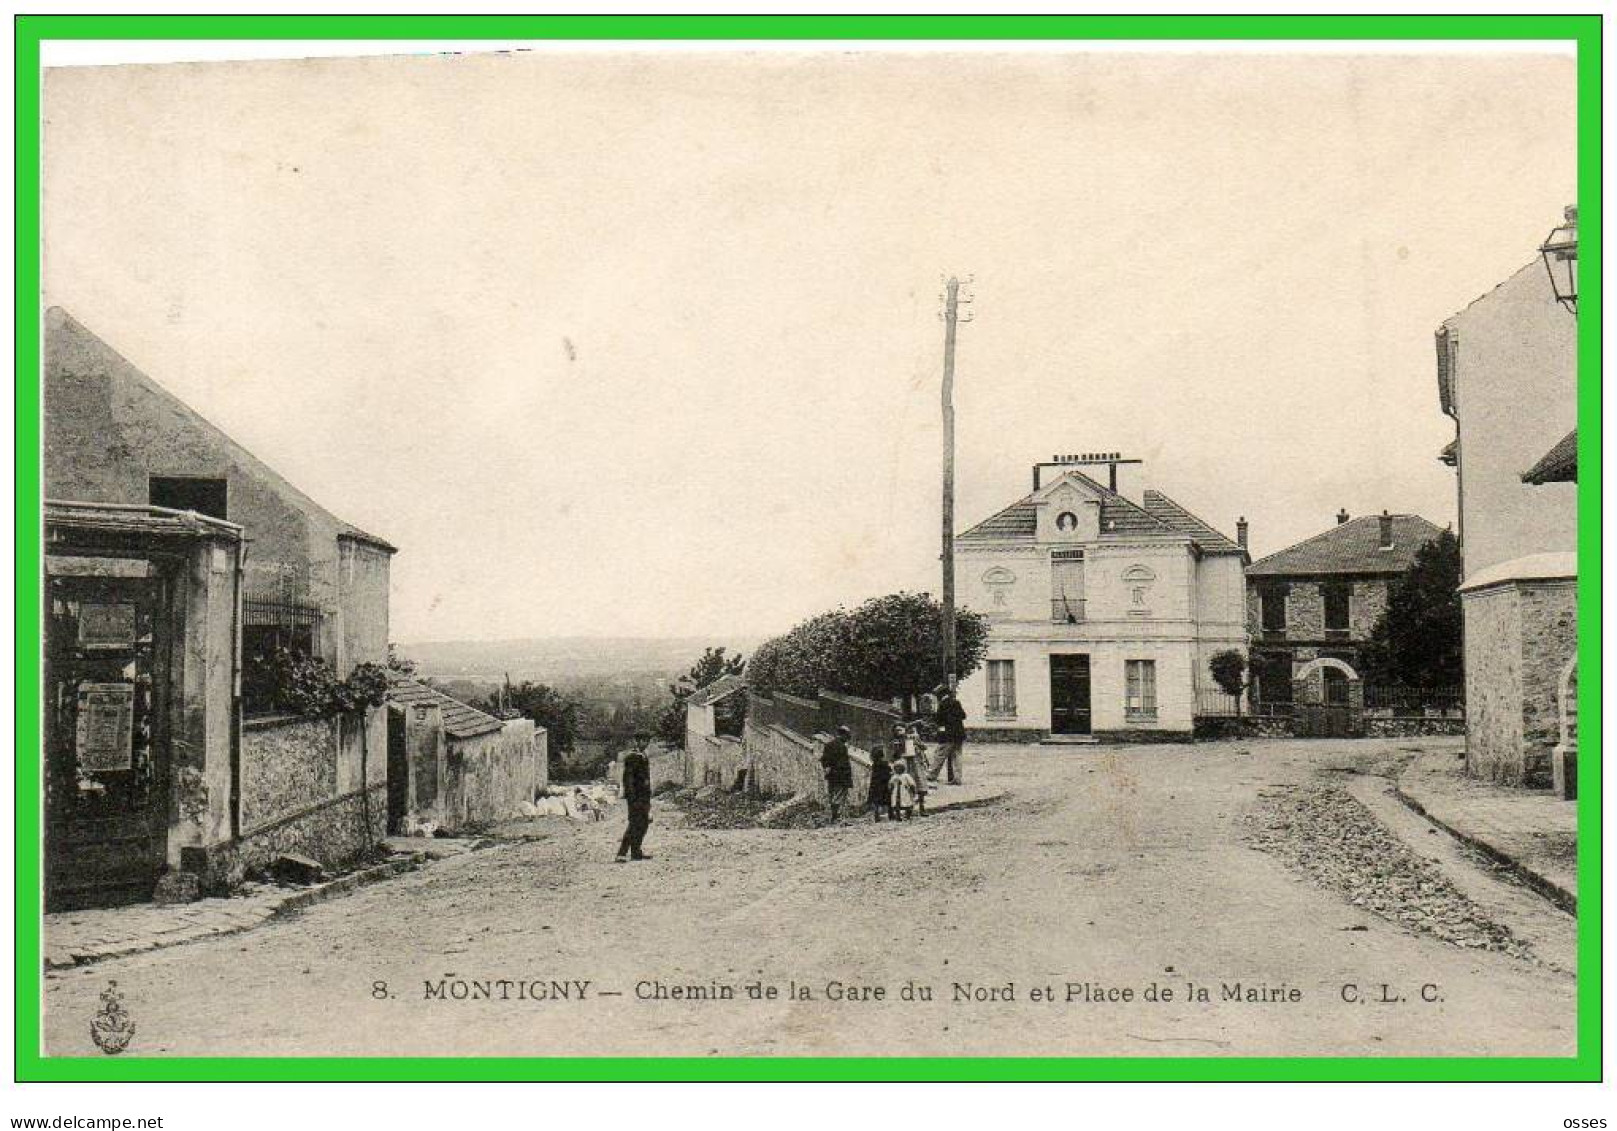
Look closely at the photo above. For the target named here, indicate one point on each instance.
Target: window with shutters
(1066, 586)
(1001, 688)
(1274, 610)
(1338, 600)
(1141, 690)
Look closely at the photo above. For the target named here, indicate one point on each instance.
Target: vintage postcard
(782, 551)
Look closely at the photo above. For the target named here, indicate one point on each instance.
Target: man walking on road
(838, 771)
(951, 723)
(637, 792)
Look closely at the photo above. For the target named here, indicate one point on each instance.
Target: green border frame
(30, 30)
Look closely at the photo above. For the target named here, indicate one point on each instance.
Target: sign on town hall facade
(1105, 601)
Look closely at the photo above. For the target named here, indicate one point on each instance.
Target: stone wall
(785, 734)
(668, 767)
(1214, 728)
(1493, 685)
(336, 833)
(1211, 728)
(488, 777)
(785, 763)
(295, 797)
(1305, 609)
(791, 711)
(869, 721)
(287, 765)
(1549, 618)
(1519, 636)
(713, 759)
(1412, 726)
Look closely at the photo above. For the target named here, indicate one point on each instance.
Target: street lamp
(1560, 252)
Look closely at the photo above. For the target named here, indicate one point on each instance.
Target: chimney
(1111, 470)
(1127, 478)
(1386, 531)
(1240, 531)
(1341, 516)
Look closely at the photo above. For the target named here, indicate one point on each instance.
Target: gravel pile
(717, 809)
(1337, 842)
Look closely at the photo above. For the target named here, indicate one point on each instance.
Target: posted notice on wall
(106, 726)
(106, 626)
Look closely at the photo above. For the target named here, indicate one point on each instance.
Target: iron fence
(1215, 703)
(1401, 700)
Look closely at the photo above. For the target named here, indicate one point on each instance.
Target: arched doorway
(1564, 758)
(1329, 699)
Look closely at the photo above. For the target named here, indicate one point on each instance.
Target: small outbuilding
(451, 766)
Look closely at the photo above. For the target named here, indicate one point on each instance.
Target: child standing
(881, 783)
(901, 796)
(915, 750)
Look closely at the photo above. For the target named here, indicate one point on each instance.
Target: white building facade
(1105, 603)
(1507, 374)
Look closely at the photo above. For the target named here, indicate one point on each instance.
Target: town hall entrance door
(1069, 695)
(106, 742)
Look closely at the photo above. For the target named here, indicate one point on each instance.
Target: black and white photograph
(975, 550)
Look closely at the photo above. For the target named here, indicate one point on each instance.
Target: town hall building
(1105, 602)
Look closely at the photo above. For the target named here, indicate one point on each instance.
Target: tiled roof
(1351, 547)
(1165, 510)
(460, 721)
(1118, 517)
(1559, 465)
(718, 689)
(1020, 521)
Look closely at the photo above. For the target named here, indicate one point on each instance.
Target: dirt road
(1086, 913)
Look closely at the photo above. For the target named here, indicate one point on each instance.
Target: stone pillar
(1564, 758)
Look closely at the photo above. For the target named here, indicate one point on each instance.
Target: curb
(342, 885)
(1556, 893)
(294, 902)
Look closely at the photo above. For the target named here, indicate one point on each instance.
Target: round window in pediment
(1066, 521)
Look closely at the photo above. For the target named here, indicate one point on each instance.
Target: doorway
(398, 772)
(1069, 695)
(106, 740)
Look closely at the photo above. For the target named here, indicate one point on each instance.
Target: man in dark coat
(838, 770)
(637, 792)
(951, 723)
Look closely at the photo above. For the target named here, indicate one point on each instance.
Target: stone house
(1507, 375)
(1105, 602)
(176, 563)
(452, 766)
(1321, 599)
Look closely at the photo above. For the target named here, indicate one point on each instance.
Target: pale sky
(634, 344)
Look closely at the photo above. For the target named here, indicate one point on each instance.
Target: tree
(715, 664)
(547, 707)
(893, 647)
(1228, 669)
(1416, 641)
(804, 659)
(889, 647)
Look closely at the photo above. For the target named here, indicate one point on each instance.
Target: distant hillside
(555, 659)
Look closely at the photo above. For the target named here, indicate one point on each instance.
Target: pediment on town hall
(1069, 509)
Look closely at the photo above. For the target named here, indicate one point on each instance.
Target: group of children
(898, 787)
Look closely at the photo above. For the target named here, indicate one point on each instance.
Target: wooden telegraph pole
(951, 317)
